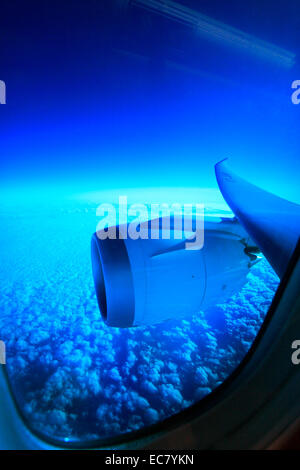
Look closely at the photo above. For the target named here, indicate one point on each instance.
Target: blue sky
(88, 110)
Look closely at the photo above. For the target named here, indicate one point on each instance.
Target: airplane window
(150, 96)
(74, 377)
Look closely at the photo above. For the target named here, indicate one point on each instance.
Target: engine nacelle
(146, 281)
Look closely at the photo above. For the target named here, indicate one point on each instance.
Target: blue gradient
(89, 109)
(103, 101)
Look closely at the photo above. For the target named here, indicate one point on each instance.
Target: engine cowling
(146, 281)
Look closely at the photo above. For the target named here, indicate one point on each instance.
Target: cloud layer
(76, 378)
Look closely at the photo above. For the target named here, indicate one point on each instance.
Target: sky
(101, 97)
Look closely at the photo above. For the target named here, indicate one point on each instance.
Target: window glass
(145, 98)
(76, 378)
